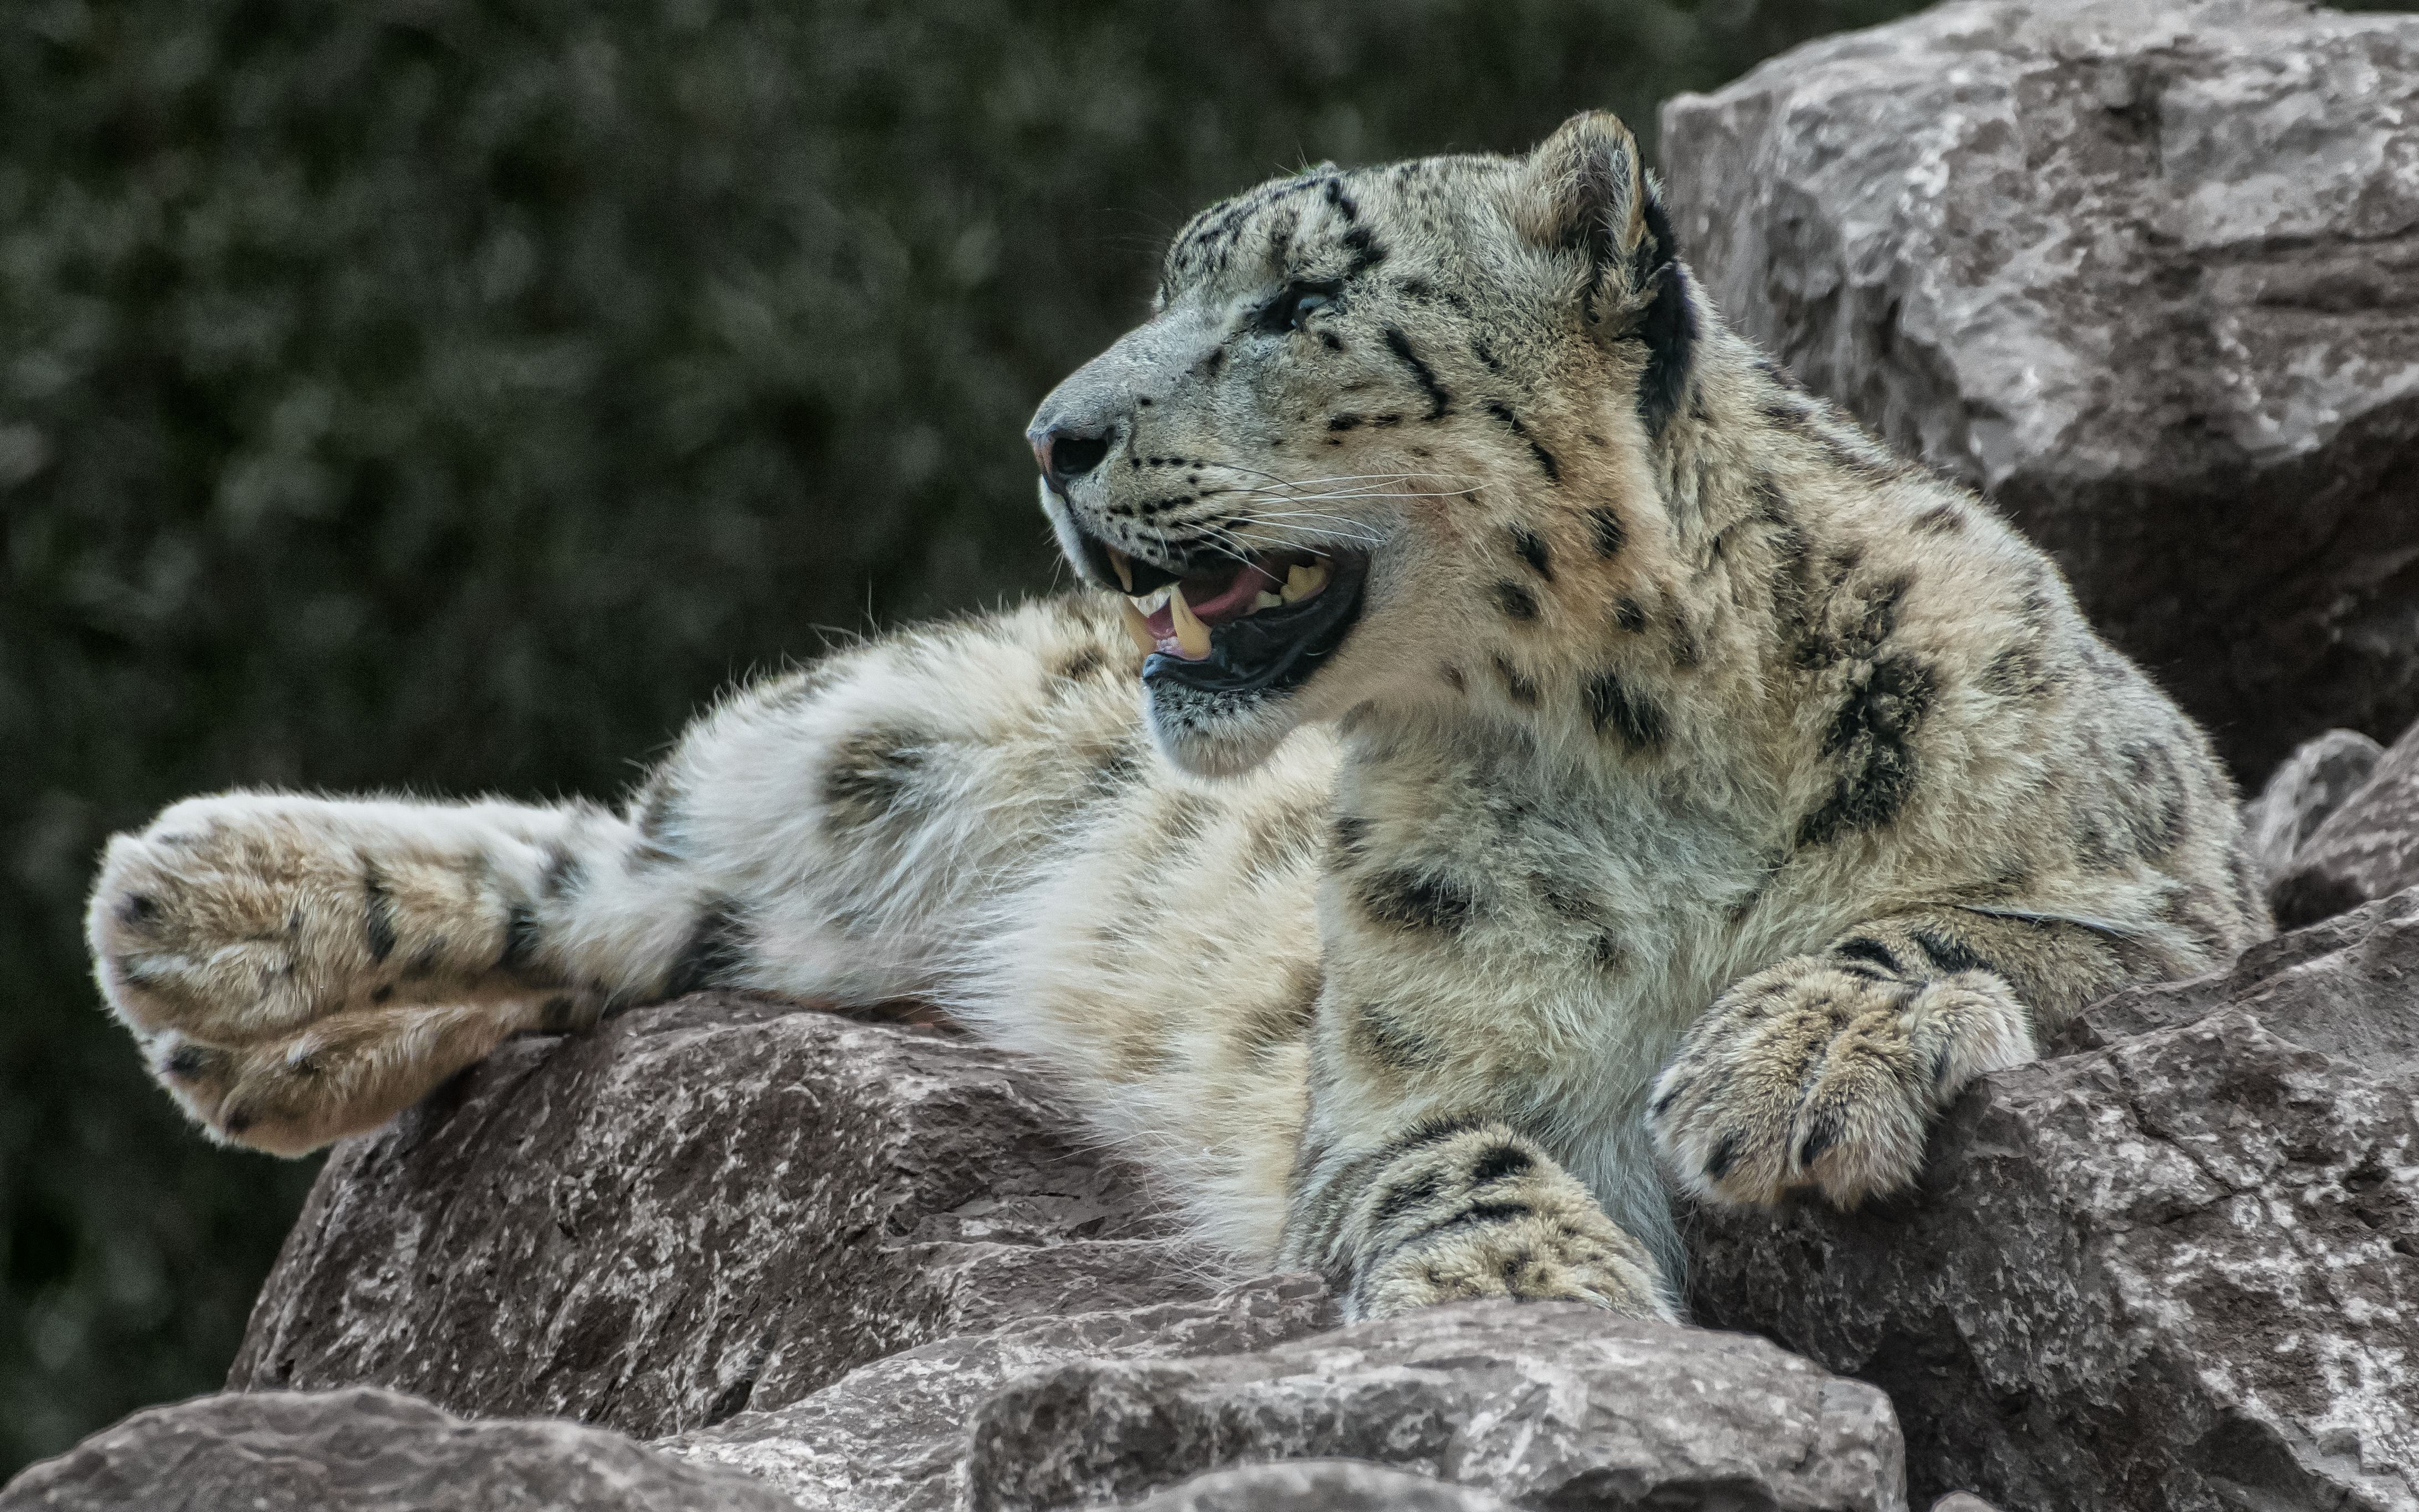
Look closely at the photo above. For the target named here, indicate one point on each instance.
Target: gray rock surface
(721, 1203)
(1547, 1405)
(365, 1450)
(1319, 1485)
(2172, 1268)
(889, 1436)
(2368, 848)
(2146, 271)
(2299, 795)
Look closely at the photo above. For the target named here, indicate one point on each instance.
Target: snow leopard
(1517, 762)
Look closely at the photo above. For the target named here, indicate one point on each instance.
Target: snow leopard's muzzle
(1230, 625)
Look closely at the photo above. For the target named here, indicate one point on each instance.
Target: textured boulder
(2148, 272)
(2368, 848)
(2173, 1266)
(721, 1203)
(1551, 1405)
(2299, 795)
(888, 1437)
(365, 1450)
(1319, 1485)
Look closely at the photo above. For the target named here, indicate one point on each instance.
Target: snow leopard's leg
(1451, 1209)
(1826, 1072)
(296, 968)
(300, 968)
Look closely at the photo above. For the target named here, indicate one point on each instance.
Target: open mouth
(1259, 625)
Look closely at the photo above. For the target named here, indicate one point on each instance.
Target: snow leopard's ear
(1586, 191)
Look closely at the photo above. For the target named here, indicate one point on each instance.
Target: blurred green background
(453, 394)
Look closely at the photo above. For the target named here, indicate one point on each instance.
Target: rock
(2313, 783)
(2148, 272)
(1554, 1405)
(1961, 1502)
(365, 1450)
(2368, 848)
(1319, 1485)
(889, 1436)
(2175, 1266)
(721, 1203)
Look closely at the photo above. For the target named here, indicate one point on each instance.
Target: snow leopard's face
(1380, 423)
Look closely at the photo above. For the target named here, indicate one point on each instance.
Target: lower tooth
(1266, 601)
(1192, 636)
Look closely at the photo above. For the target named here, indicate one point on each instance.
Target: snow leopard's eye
(1296, 302)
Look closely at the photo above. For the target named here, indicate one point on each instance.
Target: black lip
(1273, 651)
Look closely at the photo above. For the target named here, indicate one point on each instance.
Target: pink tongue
(1232, 603)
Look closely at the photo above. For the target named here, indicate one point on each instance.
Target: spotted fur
(1698, 782)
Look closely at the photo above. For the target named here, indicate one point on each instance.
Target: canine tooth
(1300, 582)
(1124, 565)
(1139, 628)
(1266, 601)
(1191, 634)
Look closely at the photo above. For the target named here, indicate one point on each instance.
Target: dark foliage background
(452, 395)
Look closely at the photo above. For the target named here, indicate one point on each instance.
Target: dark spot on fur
(185, 1062)
(139, 911)
(1637, 719)
(716, 952)
(1454, 679)
(872, 773)
(1406, 1198)
(1517, 686)
(1629, 616)
(1486, 358)
(520, 937)
(560, 1015)
(1530, 548)
(2016, 673)
(1825, 1133)
(1947, 956)
(1865, 947)
(1872, 736)
(1605, 529)
(1083, 664)
(240, 1121)
(1387, 1040)
(1343, 422)
(1516, 601)
(1350, 836)
(1941, 520)
(1439, 400)
(1282, 1020)
(1408, 898)
(1362, 243)
(564, 873)
(1725, 1155)
(1475, 1215)
(1546, 462)
(1500, 1162)
(378, 914)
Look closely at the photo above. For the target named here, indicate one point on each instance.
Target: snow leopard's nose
(1066, 452)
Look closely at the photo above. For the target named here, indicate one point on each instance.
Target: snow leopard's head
(1385, 435)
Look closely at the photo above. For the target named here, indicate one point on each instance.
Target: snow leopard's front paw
(295, 971)
(1485, 1213)
(1826, 1074)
